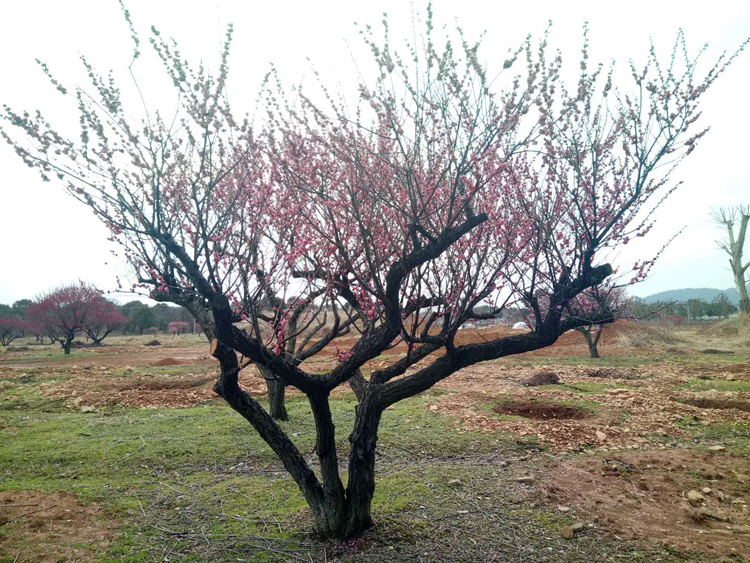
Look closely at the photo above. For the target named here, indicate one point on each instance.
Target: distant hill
(685, 294)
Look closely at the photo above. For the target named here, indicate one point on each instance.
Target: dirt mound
(736, 326)
(542, 378)
(638, 494)
(167, 362)
(159, 384)
(89, 388)
(738, 368)
(541, 411)
(62, 529)
(602, 373)
(715, 351)
(153, 343)
(718, 404)
(642, 335)
(623, 334)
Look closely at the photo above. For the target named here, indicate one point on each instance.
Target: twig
(171, 487)
(139, 449)
(714, 516)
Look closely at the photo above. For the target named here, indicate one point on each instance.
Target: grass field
(83, 477)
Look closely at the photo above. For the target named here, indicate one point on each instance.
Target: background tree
(21, 305)
(178, 327)
(65, 311)
(603, 304)
(129, 308)
(103, 320)
(731, 218)
(697, 308)
(18, 309)
(440, 193)
(11, 328)
(142, 319)
(720, 306)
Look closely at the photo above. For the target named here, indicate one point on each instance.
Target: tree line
(680, 311)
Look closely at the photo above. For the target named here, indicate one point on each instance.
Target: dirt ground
(621, 435)
(62, 529)
(643, 495)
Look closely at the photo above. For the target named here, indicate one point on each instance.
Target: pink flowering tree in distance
(177, 327)
(65, 311)
(449, 187)
(103, 321)
(11, 328)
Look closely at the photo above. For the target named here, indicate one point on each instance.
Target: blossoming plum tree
(103, 320)
(11, 328)
(65, 311)
(177, 327)
(443, 191)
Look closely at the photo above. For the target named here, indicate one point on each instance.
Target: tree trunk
(361, 485)
(739, 281)
(591, 341)
(276, 389)
(346, 514)
(66, 345)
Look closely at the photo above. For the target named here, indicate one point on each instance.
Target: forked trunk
(276, 390)
(347, 514)
(592, 341)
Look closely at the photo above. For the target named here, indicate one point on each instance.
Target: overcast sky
(49, 239)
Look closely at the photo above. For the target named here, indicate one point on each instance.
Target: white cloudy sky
(48, 238)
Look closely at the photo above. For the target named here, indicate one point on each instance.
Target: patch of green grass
(57, 354)
(551, 520)
(605, 361)
(734, 436)
(585, 387)
(114, 446)
(156, 370)
(711, 360)
(22, 393)
(717, 385)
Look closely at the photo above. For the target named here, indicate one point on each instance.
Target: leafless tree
(730, 218)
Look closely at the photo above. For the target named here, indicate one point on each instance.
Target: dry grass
(649, 337)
